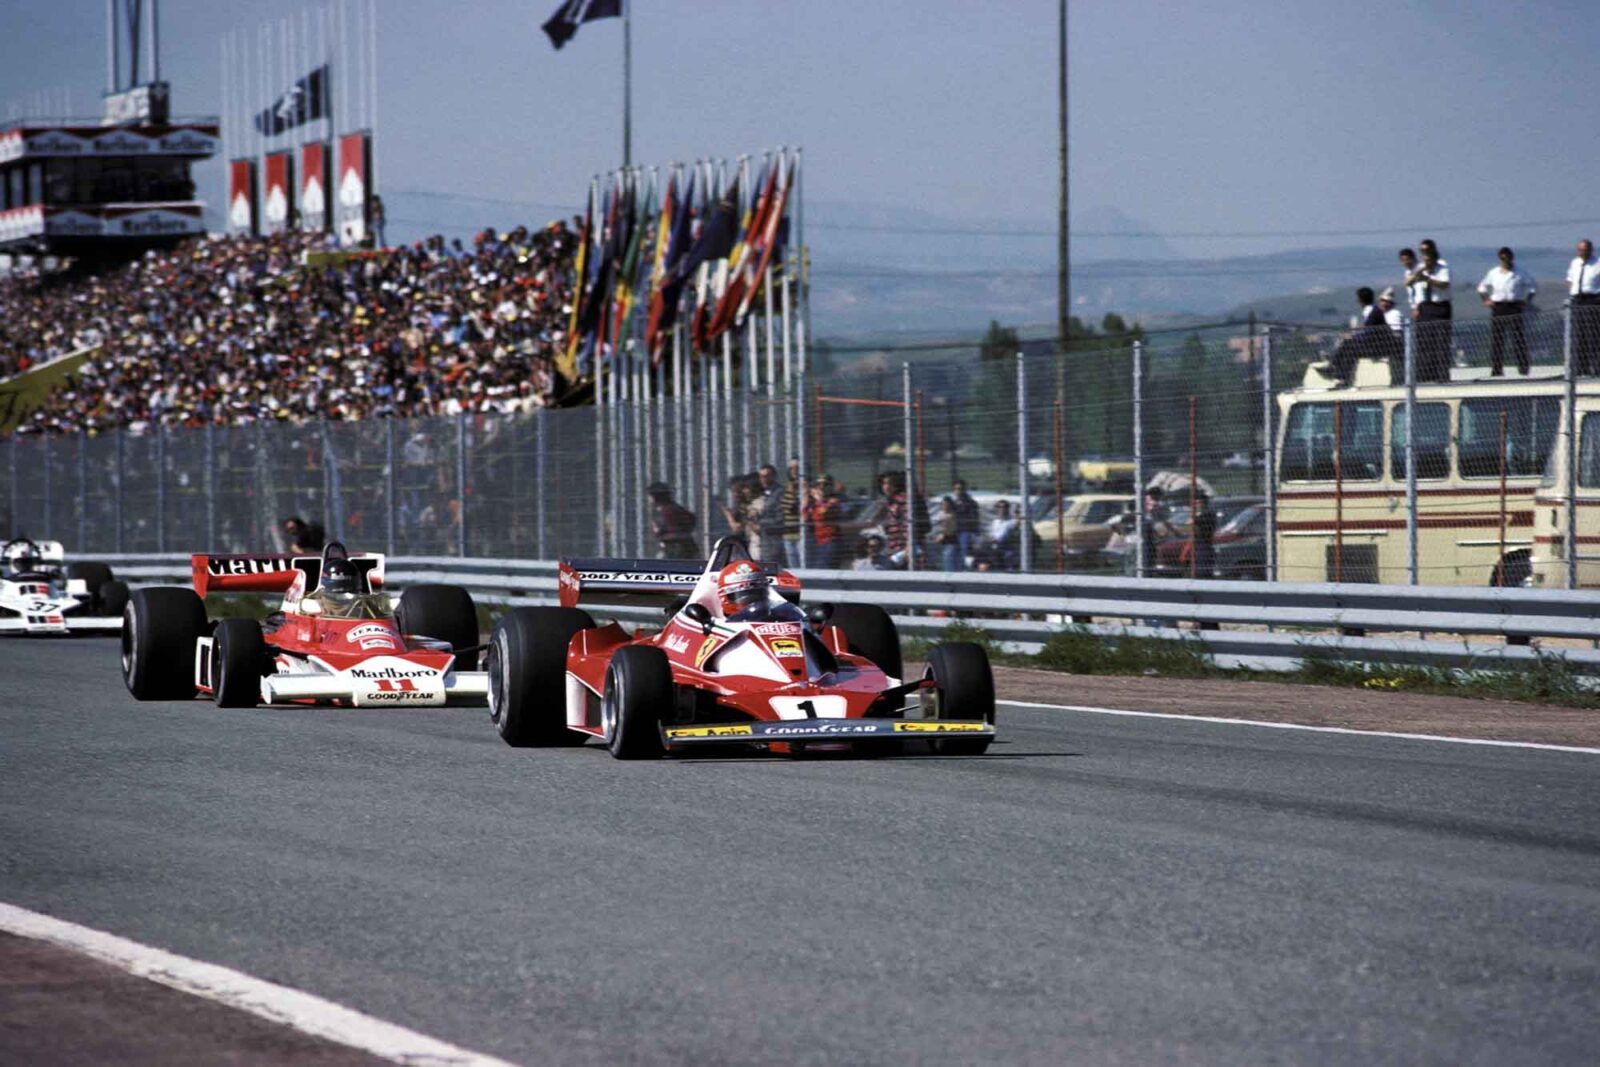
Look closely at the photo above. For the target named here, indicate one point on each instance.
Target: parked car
(1085, 518)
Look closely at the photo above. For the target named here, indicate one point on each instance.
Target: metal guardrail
(1326, 620)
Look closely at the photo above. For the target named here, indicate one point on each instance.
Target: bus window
(1589, 453)
(1433, 441)
(1308, 442)
(1531, 424)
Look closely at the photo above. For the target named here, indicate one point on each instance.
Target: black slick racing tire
(113, 599)
(964, 689)
(238, 663)
(638, 694)
(159, 629)
(527, 666)
(442, 612)
(92, 574)
(870, 633)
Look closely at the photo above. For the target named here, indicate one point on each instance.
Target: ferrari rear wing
(649, 582)
(260, 572)
(626, 581)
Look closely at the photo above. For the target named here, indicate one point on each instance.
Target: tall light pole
(1064, 238)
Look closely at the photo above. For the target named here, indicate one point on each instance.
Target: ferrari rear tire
(638, 693)
(963, 689)
(93, 575)
(113, 599)
(870, 633)
(443, 612)
(527, 667)
(240, 660)
(159, 629)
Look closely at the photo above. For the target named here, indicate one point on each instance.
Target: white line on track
(1299, 726)
(288, 1007)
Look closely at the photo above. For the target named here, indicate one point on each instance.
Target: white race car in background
(41, 594)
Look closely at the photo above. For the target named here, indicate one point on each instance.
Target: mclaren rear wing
(253, 572)
(649, 582)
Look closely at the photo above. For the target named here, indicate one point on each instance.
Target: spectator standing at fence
(1506, 291)
(737, 512)
(1205, 531)
(1002, 540)
(820, 514)
(1583, 286)
(302, 538)
(1157, 524)
(969, 521)
(871, 557)
(793, 491)
(768, 511)
(947, 535)
(1428, 284)
(672, 523)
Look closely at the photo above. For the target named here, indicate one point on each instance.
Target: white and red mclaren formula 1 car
(336, 639)
(736, 662)
(40, 593)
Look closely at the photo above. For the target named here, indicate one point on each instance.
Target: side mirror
(676, 606)
(819, 615)
(698, 614)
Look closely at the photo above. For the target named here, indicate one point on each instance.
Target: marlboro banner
(242, 196)
(276, 207)
(355, 193)
(314, 199)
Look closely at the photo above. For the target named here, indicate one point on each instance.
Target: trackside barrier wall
(1022, 611)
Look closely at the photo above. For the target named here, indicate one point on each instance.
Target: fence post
(911, 468)
(1413, 573)
(161, 488)
(211, 489)
(83, 494)
(1139, 518)
(599, 458)
(49, 488)
(538, 467)
(1269, 448)
(1025, 520)
(797, 402)
(461, 483)
(121, 471)
(12, 532)
(1569, 368)
(391, 484)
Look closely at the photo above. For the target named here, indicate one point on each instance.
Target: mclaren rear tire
(239, 663)
(159, 629)
(638, 693)
(113, 599)
(963, 689)
(442, 612)
(527, 667)
(870, 633)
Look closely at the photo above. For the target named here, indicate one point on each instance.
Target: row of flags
(646, 262)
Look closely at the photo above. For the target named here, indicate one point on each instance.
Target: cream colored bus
(1342, 503)
(1551, 538)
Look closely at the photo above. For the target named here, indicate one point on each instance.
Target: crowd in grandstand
(227, 330)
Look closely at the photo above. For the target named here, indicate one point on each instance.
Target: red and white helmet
(741, 585)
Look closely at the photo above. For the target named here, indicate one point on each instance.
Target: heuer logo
(677, 643)
(777, 629)
(368, 674)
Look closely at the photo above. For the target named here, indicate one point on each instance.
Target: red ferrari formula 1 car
(336, 640)
(737, 662)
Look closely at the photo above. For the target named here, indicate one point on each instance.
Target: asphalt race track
(1097, 888)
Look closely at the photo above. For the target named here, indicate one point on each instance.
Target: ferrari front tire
(159, 629)
(638, 693)
(963, 689)
(240, 659)
(527, 668)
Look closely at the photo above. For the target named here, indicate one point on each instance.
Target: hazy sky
(1228, 116)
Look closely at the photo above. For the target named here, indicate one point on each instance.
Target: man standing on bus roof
(1428, 285)
(1583, 285)
(1506, 291)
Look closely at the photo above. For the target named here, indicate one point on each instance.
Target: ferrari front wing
(748, 733)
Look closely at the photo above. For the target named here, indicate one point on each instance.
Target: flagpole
(627, 83)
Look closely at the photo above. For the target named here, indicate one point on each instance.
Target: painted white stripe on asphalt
(1300, 726)
(288, 1007)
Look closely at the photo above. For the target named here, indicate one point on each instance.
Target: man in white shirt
(1428, 284)
(1583, 286)
(1506, 290)
(1391, 314)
